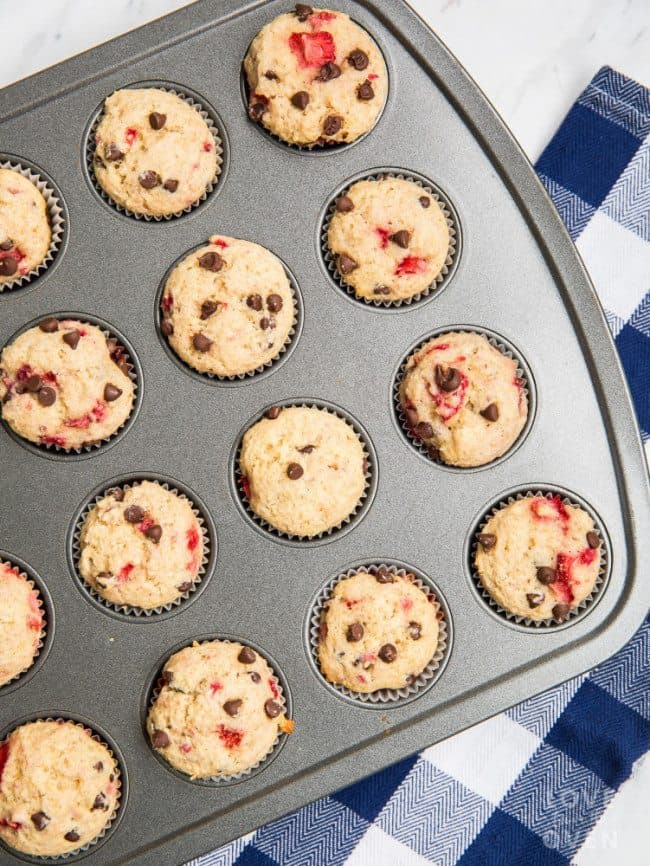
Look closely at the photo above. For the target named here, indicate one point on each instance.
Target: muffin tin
(516, 276)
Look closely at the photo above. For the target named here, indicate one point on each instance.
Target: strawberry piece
(218, 242)
(313, 50)
(23, 374)
(125, 572)
(246, 487)
(562, 585)
(545, 510)
(449, 404)
(167, 303)
(192, 536)
(405, 603)
(350, 602)
(130, 135)
(53, 440)
(145, 524)
(215, 687)
(384, 234)
(411, 265)
(185, 748)
(373, 76)
(274, 688)
(588, 556)
(230, 737)
(4, 755)
(208, 146)
(80, 423)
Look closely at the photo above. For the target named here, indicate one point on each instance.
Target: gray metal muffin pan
(517, 275)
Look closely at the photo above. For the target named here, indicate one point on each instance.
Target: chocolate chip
(346, 264)
(111, 392)
(560, 611)
(149, 179)
(307, 449)
(267, 322)
(211, 261)
(49, 326)
(423, 430)
(72, 836)
(256, 111)
(171, 184)
(546, 575)
(332, 124)
(300, 99)
(254, 302)
(208, 308)
(415, 630)
(329, 71)
(166, 327)
(535, 598)
(387, 653)
(355, 632)
(246, 655)
(491, 412)
(434, 453)
(102, 578)
(447, 379)
(487, 540)
(157, 120)
(167, 677)
(401, 238)
(40, 820)
(117, 493)
(201, 343)
(272, 412)
(255, 676)
(8, 267)
(383, 575)
(272, 709)
(100, 802)
(233, 707)
(71, 338)
(5, 246)
(154, 533)
(47, 396)
(274, 303)
(381, 290)
(160, 739)
(323, 631)
(303, 11)
(425, 201)
(365, 91)
(294, 471)
(270, 74)
(344, 204)
(358, 59)
(185, 586)
(33, 383)
(99, 766)
(593, 540)
(133, 514)
(113, 153)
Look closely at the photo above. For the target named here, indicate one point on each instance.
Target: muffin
(463, 399)
(315, 77)
(141, 546)
(219, 710)
(25, 232)
(154, 153)
(64, 383)
(389, 239)
(378, 631)
(60, 788)
(302, 469)
(228, 308)
(539, 557)
(21, 623)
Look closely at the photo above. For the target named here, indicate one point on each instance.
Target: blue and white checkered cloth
(533, 786)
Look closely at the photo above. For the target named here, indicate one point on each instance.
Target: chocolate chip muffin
(25, 232)
(378, 631)
(228, 308)
(463, 398)
(64, 383)
(21, 623)
(154, 153)
(219, 710)
(302, 469)
(141, 546)
(60, 788)
(389, 239)
(539, 557)
(315, 77)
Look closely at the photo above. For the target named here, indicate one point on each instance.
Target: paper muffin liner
(575, 613)
(194, 101)
(427, 677)
(362, 506)
(117, 344)
(154, 692)
(283, 352)
(523, 374)
(453, 252)
(34, 584)
(132, 610)
(120, 798)
(56, 218)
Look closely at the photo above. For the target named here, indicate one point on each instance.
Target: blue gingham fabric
(532, 786)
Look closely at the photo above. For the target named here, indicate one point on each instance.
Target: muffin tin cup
(208, 533)
(575, 613)
(523, 374)
(121, 781)
(269, 366)
(355, 517)
(56, 218)
(134, 373)
(45, 607)
(195, 101)
(382, 697)
(453, 253)
(284, 699)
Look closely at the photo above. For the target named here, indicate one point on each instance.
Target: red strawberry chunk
(215, 687)
(562, 585)
(384, 234)
(450, 404)
(545, 510)
(219, 242)
(53, 440)
(185, 748)
(313, 49)
(246, 487)
(130, 135)
(23, 374)
(125, 572)
(167, 303)
(273, 687)
(405, 603)
(208, 146)
(411, 265)
(192, 538)
(230, 737)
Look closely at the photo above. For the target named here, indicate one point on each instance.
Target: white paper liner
(56, 219)
(233, 777)
(214, 132)
(44, 616)
(361, 506)
(448, 268)
(55, 858)
(131, 610)
(522, 374)
(425, 678)
(574, 613)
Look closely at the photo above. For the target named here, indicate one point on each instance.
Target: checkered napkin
(545, 782)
